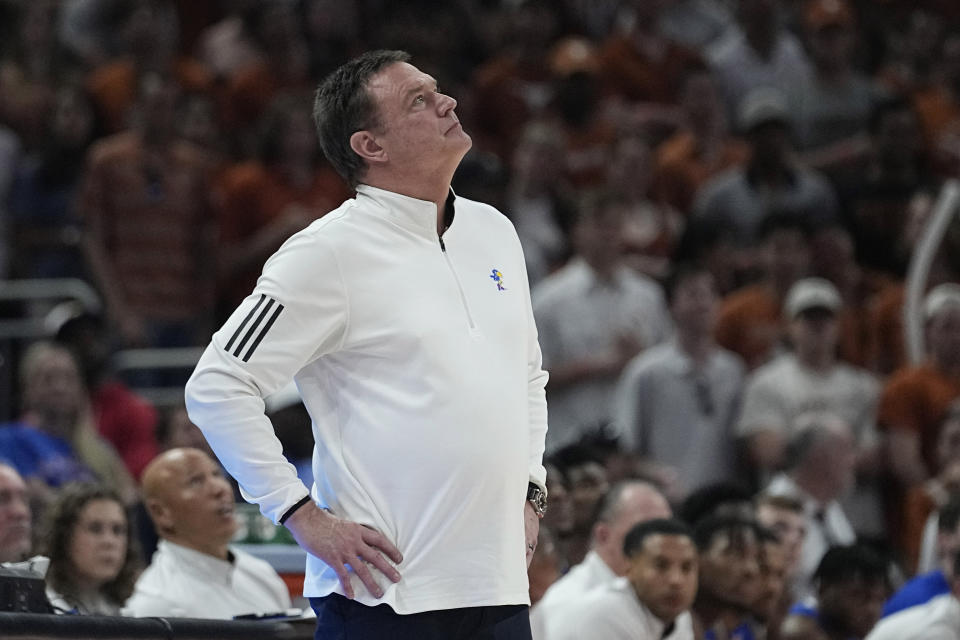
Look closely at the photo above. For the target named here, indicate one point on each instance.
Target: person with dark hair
(93, 558)
(878, 190)
(676, 403)
(47, 227)
(770, 180)
(55, 442)
(832, 104)
(560, 518)
(773, 597)
(717, 499)
(924, 549)
(587, 483)
(594, 314)
(127, 420)
(652, 600)
(851, 586)
(404, 317)
(749, 320)
(262, 202)
(938, 619)
(783, 515)
(626, 504)
(729, 559)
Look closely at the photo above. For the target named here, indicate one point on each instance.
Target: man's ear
(162, 516)
(365, 145)
(601, 532)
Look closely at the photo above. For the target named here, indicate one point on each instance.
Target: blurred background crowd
(718, 201)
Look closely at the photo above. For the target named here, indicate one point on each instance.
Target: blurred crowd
(718, 201)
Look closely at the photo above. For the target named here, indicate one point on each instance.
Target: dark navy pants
(339, 618)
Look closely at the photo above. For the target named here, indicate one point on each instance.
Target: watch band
(537, 498)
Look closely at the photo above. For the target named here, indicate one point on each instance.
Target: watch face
(541, 503)
(538, 499)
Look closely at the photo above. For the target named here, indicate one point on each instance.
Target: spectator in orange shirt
(938, 106)
(30, 66)
(749, 320)
(576, 108)
(149, 37)
(926, 499)
(916, 398)
(515, 84)
(284, 66)
(145, 202)
(700, 149)
(638, 64)
(264, 201)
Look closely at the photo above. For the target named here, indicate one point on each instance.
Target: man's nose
(446, 103)
(219, 486)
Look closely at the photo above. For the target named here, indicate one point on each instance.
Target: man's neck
(821, 362)
(607, 557)
(695, 344)
(811, 482)
(435, 193)
(712, 612)
(217, 549)
(602, 266)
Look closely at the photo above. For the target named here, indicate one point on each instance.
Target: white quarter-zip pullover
(417, 359)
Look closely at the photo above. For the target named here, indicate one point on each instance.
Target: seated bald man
(194, 572)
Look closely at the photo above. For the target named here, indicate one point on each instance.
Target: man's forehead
(399, 77)
(739, 539)
(181, 462)
(781, 516)
(660, 545)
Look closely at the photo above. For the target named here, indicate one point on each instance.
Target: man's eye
(419, 100)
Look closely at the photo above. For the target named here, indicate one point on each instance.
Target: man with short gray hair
(820, 469)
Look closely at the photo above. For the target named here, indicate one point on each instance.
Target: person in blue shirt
(922, 588)
(851, 585)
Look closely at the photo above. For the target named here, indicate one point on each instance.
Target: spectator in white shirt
(195, 573)
(811, 378)
(652, 601)
(677, 402)
(624, 506)
(819, 471)
(593, 316)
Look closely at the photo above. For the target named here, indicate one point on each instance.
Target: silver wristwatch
(537, 497)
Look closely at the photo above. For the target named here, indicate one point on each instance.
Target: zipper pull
(443, 247)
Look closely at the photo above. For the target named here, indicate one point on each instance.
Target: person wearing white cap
(915, 398)
(771, 181)
(812, 378)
